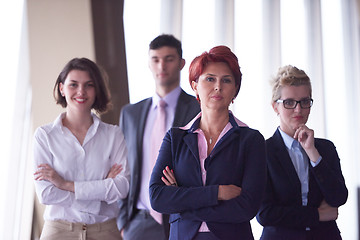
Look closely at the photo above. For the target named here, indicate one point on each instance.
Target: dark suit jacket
(238, 158)
(132, 122)
(282, 213)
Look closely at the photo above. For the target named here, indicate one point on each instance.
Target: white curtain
(16, 191)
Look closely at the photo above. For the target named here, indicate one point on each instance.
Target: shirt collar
(194, 123)
(170, 98)
(58, 122)
(287, 139)
(96, 123)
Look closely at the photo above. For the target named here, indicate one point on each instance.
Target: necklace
(211, 140)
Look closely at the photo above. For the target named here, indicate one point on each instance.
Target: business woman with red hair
(210, 174)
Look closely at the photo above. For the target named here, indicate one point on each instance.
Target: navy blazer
(132, 123)
(282, 213)
(238, 158)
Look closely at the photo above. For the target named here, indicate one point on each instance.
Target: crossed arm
(225, 192)
(45, 172)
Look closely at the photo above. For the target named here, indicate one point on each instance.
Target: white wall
(58, 32)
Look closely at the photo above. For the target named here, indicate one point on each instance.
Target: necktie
(157, 136)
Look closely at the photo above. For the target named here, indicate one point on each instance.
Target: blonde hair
(288, 76)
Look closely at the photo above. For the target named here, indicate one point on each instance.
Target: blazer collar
(195, 122)
(191, 137)
(190, 140)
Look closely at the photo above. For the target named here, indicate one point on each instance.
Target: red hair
(216, 54)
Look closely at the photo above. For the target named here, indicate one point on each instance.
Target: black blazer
(238, 158)
(282, 213)
(132, 123)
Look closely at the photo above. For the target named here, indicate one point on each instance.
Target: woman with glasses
(305, 185)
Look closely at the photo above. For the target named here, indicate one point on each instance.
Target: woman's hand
(169, 178)
(114, 170)
(327, 213)
(305, 137)
(45, 172)
(227, 192)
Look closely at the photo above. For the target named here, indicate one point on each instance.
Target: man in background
(137, 220)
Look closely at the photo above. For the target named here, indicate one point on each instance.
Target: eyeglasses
(291, 103)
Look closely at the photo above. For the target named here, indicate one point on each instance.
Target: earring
(197, 98)
(232, 101)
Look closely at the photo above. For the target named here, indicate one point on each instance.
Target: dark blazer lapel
(283, 157)
(182, 108)
(227, 138)
(141, 125)
(233, 133)
(190, 140)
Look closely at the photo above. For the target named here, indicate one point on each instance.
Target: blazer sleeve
(244, 207)
(169, 199)
(122, 219)
(328, 175)
(273, 213)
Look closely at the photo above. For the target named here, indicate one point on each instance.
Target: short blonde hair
(288, 76)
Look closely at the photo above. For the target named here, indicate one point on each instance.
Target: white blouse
(87, 165)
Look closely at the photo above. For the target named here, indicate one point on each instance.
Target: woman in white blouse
(81, 166)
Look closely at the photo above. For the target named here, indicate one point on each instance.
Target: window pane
(141, 26)
(293, 34)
